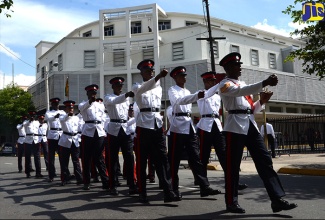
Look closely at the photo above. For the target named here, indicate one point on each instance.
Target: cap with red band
(178, 70)
(92, 87)
(117, 80)
(209, 75)
(69, 103)
(231, 58)
(146, 64)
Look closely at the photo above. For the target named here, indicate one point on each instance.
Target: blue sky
(36, 20)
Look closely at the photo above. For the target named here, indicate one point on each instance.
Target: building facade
(121, 38)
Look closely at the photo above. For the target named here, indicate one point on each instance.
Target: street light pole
(47, 89)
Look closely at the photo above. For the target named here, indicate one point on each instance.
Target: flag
(67, 87)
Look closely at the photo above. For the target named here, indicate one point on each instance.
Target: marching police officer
(93, 134)
(53, 135)
(20, 143)
(117, 105)
(241, 130)
(42, 132)
(31, 145)
(69, 144)
(149, 131)
(183, 134)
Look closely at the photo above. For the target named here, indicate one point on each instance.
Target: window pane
(119, 58)
(272, 61)
(178, 51)
(89, 58)
(254, 57)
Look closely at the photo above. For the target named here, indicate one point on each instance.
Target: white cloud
(19, 79)
(273, 29)
(7, 51)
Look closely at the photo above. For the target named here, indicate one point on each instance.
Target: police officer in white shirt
(69, 144)
(53, 135)
(183, 134)
(117, 105)
(20, 143)
(93, 137)
(31, 145)
(241, 130)
(42, 139)
(149, 132)
(270, 136)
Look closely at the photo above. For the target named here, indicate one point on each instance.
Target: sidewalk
(301, 164)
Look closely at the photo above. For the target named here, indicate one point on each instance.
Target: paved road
(22, 198)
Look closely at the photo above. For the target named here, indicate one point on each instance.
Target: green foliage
(313, 54)
(6, 4)
(14, 102)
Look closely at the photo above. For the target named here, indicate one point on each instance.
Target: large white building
(121, 38)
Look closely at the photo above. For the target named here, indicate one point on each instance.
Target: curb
(304, 171)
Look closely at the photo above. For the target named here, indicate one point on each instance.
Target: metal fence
(299, 134)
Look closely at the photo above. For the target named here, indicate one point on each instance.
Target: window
(163, 25)
(306, 110)
(87, 34)
(319, 111)
(254, 57)
(89, 58)
(51, 66)
(43, 72)
(37, 68)
(275, 109)
(119, 57)
(136, 27)
(272, 60)
(178, 51)
(60, 62)
(215, 49)
(234, 48)
(292, 110)
(109, 30)
(148, 53)
(189, 23)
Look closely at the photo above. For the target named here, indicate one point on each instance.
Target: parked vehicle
(7, 148)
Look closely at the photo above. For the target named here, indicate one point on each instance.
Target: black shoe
(170, 197)
(39, 176)
(235, 209)
(242, 186)
(208, 191)
(28, 175)
(106, 186)
(80, 182)
(281, 204)
(113, 192)
(119, 174)
(196, 183)
(178, 195)
(96, 180)
(152, 180)
(55, 175)
(71, 177)
(133, 191)
(86, 187)
(50, 180)
(143, 198)
(65, 183)
(32, 170)
(118, 183)
(20, 171)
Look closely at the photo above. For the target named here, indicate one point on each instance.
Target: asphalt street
(22, 198)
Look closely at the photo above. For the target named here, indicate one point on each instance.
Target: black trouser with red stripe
(176, 144)
(93, 150)
(125, 142)
(234, 151)
(53, 147)
(216, 139)
(152, 142)
(20, 153)
(65, 154)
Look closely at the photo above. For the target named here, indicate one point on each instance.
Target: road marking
(8, 163)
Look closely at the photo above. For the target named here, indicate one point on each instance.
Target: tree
(6, 4)
(313, 54)
(14, 103)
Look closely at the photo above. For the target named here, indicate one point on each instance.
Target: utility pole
(211, 39)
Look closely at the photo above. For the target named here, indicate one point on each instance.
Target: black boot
(281, 204)
(235, 208)
(208, 191)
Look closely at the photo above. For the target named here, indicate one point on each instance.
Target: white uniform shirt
(269, 130)
(31, 127)
(117, 108)
(80, 125)
(90, 112)
(181, 101)
(148, 95)
(210, 104)
(53, 123)
(42, 131)
(69, 124)
(22, 134)
(131, 125)
(232, 93)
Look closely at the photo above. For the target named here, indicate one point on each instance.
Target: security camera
(55, 64)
